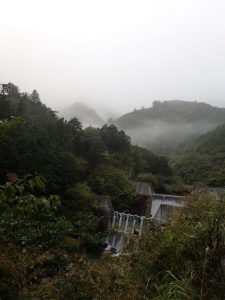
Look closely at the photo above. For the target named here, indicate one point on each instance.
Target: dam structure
(163, 206)
(129, 224)
(123, 226)
(156, 208)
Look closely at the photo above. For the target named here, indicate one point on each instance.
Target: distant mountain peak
(85, 114)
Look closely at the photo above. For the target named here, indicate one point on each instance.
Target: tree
(184, 260)
(12, 89)
(75, 125)
(35, 96)
(114, 182)
(8, 125)
(92, 147)
(5, 109)
(115, 140)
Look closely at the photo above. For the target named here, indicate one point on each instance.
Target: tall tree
(12, 89)
(35, 96)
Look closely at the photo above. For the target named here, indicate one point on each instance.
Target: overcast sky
(115, 54)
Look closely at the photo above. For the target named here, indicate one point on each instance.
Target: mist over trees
(106, 194)
(86, 115)
(52, 228)
(62, 151)
(167, 125)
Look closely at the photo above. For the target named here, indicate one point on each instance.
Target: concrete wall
(143, 188)
(170, 200)
(106, 205)
(164, 213)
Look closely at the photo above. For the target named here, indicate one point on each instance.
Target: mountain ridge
(168, 124)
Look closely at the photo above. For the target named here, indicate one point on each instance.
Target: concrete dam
(156, 208)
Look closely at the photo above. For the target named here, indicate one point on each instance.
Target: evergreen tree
(35, 96)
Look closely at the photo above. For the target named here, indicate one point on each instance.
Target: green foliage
(204, 159)
(145, 161)
(185, 258)
(81, 209)
(173, 287)
(176, 186)
(114, 139)
(79, 197)
(115, 183)
(85, 279)
(42, 232)
(26, 150)
(62, 151)
(29, 220)
(165, 184)
(147, 177)
(12, 89)
(182, 261)
(35, 96)
(7, 125)
(92, 147)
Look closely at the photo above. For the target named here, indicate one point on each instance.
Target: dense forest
(203, 160)
(52, 228)
(64, 153)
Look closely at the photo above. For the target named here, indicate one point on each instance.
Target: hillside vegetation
(203, 160)
(52, 228)
(167, 125)
(75, 163)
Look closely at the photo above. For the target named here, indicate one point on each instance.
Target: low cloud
(163, 135)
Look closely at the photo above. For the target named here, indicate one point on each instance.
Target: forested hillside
(62, 151)
(52, 228)
(167, 125)
(204, 159)
(74, 163)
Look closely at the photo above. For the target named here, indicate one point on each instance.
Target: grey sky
(117, 54)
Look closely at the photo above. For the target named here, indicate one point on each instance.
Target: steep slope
(86, 115)
(67, 155)
(204, 160)
(166, 125)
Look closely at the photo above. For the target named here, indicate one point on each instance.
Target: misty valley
(164, 127)
(131, 207)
